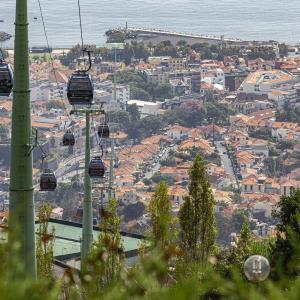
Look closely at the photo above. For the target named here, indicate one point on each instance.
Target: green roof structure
(68, 239)
(67, 243)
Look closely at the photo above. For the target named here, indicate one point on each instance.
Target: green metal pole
(87, 231)
(112, 144)
(21, 208)
(111, 169)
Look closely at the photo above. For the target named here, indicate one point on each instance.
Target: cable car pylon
(21, 205)
(87, 220)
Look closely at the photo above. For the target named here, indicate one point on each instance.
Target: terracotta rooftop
(250, 180)
(268, 77)
(6, 105)
(194, 143)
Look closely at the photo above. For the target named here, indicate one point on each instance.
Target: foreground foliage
(167, 269)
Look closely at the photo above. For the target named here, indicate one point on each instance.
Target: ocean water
(247, 19)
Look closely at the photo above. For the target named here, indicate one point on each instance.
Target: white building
(146, 108)
(103, 89)
(122, 95)
(159, 60)
(283, 95)
(102, 96)
(263, 82)
(177, 132)
(48, 91)
(156, 76)
(214, 76)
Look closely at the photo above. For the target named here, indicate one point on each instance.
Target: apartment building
(263, 82)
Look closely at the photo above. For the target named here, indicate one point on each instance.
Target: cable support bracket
(22, 190)
(35, 141)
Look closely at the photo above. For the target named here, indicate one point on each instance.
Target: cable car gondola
(48, 181)
(6, 79)
(96, 168)
(117, 164)
(103, 131)
(68, 139)
(80, 89)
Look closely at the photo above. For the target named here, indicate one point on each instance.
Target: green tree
(147, 181)
(238, 219)
(157, 177)
(146, 127)
(220, 113)
(45, 244)
(122, 117)
(54, 104)
(105, 263)
(161, 217)
(165, 48)
(136, 50)
(117, 37)
(134, 112)
(274, 166)
(110, 241)
(197, 220)
(169, 161)
(163, 91)
(283, 49)
(138, 93)
(237, 197)
(181, 43)
(286, 249)
(245, 239)
(289, 114)
(131, 77)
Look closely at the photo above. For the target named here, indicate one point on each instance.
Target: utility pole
(111, 169)
(21, 206)
(112, 144)
(87, 222)
(115, 47)
(213, 124)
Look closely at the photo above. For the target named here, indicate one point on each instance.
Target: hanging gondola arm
(35, 141)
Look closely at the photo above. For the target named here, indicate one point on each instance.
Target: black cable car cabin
(80, 89)
(103, 131)
(6, 79)
(48, 181)
(96, 168)
(68, 139)
(117, 164)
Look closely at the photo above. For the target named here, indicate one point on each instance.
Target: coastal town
(149, 150)
(237, 106)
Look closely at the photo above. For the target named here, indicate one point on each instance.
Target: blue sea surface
(246, 19)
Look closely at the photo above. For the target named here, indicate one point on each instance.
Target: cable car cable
(97, 137)
(80, 24)
(55, 75)
(81, 36)
(48, 181)
(51, 60)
